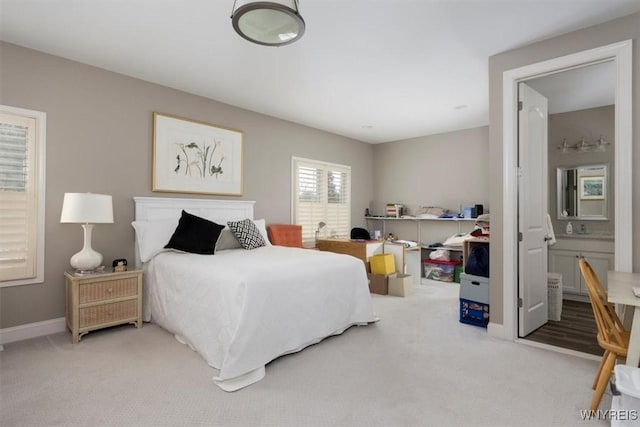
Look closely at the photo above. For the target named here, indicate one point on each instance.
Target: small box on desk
(401, 285)
(382, 264)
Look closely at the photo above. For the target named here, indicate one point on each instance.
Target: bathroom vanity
(583, 199)
(598, 250)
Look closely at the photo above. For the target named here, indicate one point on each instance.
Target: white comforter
(241, 309)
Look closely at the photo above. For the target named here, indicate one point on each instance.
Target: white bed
(240, 309)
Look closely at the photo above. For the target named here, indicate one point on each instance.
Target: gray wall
(99, 128)
(445, 170)
(610, 32)
(588, 124)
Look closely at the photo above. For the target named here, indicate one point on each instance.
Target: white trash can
(554, 291)
(625, 409)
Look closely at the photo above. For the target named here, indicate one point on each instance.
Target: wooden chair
(285, 235)
(612, 336)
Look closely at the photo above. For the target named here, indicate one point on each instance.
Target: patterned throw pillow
(247, 233)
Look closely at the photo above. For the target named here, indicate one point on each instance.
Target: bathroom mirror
(582, 192)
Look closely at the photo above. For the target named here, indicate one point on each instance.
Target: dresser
(101, 300)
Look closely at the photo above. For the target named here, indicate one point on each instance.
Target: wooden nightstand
(101, 300)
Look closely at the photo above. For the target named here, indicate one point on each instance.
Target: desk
(619, 292)
(407, 260)
(362, 250)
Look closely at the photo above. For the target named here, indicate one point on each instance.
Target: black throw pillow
(196, 235)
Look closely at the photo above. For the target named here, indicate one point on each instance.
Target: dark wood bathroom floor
(576, 330)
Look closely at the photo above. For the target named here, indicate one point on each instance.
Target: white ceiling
(580, 88)
(373, 70)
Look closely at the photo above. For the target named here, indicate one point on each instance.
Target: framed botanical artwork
(592, 187)
(190, 156)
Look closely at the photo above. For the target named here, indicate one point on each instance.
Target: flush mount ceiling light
(269, 23)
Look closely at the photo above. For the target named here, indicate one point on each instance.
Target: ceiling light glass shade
(601, 144)
(269, 23)
(564, 147)
(583, 145)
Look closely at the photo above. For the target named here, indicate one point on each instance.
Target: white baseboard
(32, 330)
(497, 330)
(559, 349)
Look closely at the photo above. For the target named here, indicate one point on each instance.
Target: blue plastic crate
(474, 313)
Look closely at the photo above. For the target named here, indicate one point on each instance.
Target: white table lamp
(86, 209)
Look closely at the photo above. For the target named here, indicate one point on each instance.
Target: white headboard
(163, 208)
(220, 211)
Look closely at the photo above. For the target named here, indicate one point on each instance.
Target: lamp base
(98, 270)
(87, 259)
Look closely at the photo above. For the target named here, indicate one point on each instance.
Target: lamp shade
(86, 208)
(269, 23)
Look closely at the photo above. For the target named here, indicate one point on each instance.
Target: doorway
(580, 150)
(621, 53)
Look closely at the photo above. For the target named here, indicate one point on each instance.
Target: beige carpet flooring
(418, 366)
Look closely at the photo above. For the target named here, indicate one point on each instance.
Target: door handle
(546, 239)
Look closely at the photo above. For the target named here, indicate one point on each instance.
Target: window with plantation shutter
(21, 196)
(321, 194)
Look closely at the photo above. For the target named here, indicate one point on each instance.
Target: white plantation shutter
(321, 193)
(20, 210)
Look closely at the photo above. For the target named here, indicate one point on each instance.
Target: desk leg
(633, 355)
(625, 312)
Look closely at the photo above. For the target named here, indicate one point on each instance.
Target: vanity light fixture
(268, 23)
(583, 146)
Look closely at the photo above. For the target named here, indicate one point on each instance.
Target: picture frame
(191, 156)
(592, 187)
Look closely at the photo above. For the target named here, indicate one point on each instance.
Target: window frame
(329, 166)
(40, 178)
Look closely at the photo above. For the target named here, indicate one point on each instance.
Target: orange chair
(612, 336)
(285, 235)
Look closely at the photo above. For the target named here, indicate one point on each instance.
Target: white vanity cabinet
(564, 256)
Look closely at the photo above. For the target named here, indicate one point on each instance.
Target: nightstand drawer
(104, 290)
(107, 313)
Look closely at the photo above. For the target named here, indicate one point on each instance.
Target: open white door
(533, 208)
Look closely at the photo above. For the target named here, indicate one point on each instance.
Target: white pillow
(261, 224)
(227, 240)
(152, 236)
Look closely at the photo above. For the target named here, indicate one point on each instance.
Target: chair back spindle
(610, 328)
(612, 336)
